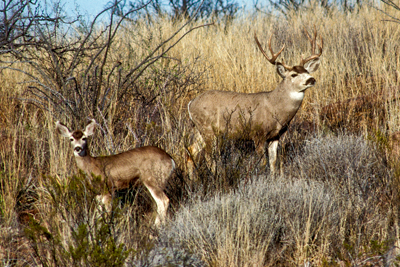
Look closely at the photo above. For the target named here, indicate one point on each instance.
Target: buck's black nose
(78, 149)
(310, 81)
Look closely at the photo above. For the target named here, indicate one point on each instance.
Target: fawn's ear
(62, 129)
(89, 130)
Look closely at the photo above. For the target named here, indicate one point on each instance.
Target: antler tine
(274, 56)
(272, 60)
(313, 41)
(262, 50)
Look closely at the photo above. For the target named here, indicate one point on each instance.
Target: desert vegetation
(335, 201)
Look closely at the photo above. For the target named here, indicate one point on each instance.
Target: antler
(272, 60)
(313, 44)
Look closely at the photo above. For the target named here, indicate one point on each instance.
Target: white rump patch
(173, 165)
(190, 115)
(297, 95)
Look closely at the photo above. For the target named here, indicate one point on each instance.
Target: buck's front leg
(272, 154)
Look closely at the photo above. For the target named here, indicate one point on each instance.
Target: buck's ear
(62, 129)
(89, 130)
(312, 65)
(280, 69)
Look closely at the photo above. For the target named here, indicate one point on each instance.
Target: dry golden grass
(360, 58)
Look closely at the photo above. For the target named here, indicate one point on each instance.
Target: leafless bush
(166, 255)
(267, 222)
(328, 203)
(177, 9)
(72, 73)
(346, 163)
(18, 22)
(286, 7)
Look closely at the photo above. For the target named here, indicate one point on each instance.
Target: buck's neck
(285, 101)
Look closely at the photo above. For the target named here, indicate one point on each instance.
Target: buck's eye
(71, 139)
(294, 75)
(84, 138)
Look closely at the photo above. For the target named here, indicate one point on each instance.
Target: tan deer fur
(268, 113)
(150, 165)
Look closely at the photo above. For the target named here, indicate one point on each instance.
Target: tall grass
(335, 203)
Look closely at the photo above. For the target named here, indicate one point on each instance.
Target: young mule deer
(150, 165)
(269, 113)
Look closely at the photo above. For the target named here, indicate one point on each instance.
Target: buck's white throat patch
(297, 95)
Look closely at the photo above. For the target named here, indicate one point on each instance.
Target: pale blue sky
(93, 7)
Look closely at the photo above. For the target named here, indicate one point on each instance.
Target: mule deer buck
(150, 165)
(269, 112)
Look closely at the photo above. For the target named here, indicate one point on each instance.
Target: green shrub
(72, 229)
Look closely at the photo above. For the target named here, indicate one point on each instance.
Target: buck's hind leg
(260, 150)
(193, 153)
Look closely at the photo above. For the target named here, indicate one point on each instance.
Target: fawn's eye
(294, 75)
